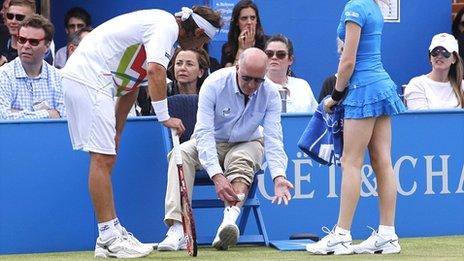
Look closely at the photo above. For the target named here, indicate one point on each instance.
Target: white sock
(231, 214)
(341, 231)
(106, 230)
(386, 230)
(117, 225)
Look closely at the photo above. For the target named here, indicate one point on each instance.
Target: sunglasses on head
(19, 17)
(249, 78)
(32, 41)
(440, 50)
(278, 54)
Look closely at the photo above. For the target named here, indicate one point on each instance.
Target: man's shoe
(332, 244)
(119, 247)
(227, 235)
(378, 244)
(175, 239)
(131, 237)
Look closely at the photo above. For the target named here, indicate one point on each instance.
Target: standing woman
(370, 102)
(300, 97)
(245, 31)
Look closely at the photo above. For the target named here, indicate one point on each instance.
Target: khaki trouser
(238, 160)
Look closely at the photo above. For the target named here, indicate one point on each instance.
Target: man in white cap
(115, 60)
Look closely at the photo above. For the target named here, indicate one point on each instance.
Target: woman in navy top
(370, 100)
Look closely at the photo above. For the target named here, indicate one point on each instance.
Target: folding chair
(184, 107)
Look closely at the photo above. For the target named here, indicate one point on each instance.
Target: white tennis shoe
(227, 235)
(175, 239)
(120, 247)
(332, 244)
(378, 244)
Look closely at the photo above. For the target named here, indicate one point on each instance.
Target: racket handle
(175, 148)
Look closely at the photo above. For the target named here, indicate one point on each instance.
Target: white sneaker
(378, 244)
(332, 244)
(175, 239)
(227, 235)
(119, 247)
(130, 236)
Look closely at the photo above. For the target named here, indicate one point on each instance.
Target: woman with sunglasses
(245, 31)
(371, 99)
(442, 88)
(297, 93)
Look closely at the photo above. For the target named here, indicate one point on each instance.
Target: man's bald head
(253, 59)
(251, 70)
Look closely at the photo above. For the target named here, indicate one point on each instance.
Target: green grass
(431, 248)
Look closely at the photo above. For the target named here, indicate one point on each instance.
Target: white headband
(186, 12)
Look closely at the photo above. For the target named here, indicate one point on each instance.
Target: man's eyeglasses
(19, 17)
(440, 50)
(279, 54)
(32, 41)
(249, 78)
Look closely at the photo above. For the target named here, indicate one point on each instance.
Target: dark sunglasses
(279, 54)
(249, 78)
(19, 17)
(439, 50)
(33, 42)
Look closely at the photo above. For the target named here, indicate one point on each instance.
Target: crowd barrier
(45, 207)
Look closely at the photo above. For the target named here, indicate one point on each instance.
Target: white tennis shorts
(91, 118)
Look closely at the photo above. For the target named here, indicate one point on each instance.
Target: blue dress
(371, 91)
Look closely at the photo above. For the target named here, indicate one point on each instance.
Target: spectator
(442, 88)
(75, 38)
(188, 68)
(298, 94)
(114, 60)
(18, 10)
(329, 82)
(16, 13)
(458, 31)
(29, 87)
(75, 19)
(4, 34)
(245, 31)
(228, 143)
(368, 106)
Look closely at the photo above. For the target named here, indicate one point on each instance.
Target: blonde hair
(455, 76)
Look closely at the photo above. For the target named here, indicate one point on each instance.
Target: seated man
(29, 87)
(74, 39)
(238, 121)
(75, 19)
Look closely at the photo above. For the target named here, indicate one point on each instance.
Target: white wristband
(161, 110)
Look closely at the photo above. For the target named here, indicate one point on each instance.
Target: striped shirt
(24, 97)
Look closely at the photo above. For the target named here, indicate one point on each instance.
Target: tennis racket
(187, 214)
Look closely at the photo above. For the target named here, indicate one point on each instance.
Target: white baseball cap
(446, 41)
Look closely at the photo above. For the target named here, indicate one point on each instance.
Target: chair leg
(244, 219)
(260, 223)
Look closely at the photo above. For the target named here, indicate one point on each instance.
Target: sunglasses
(19, 17)
(439, 50)
(279, 54)
(249, 78)
(33, 42)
